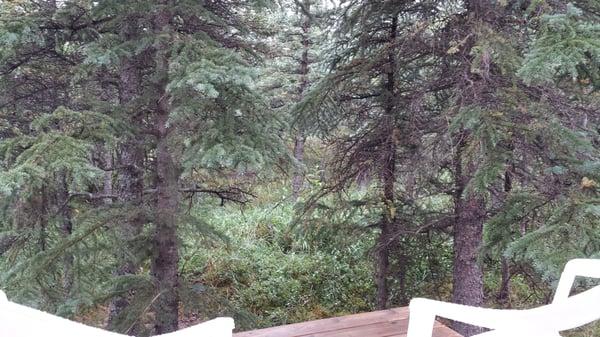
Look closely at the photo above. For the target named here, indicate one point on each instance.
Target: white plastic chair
(21, 321)
(563, 313)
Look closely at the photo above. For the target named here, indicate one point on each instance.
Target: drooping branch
(232, 193)
(92, 196)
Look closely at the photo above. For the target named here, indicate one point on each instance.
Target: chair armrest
(571, 313)
(577, 267)
(423, 313)
(218, 327)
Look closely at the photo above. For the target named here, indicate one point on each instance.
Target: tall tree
(129, 163)
(179, 76)
(374, 121)
(303, 83)
(491, 148)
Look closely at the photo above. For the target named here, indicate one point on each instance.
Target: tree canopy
(166, 161)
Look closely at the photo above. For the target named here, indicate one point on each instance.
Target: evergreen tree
(463, 131)
(369, 106)
(169, 88)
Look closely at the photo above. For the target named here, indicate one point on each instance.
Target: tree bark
(42, 209)
(298, 179)
(503, 296)
(166, 256)
(470, 208)
(468, 236)
(504, 293)
(130, 175)
(402, 269)
(66, 229)
(304, 69)
(107, 189)
(388, 177)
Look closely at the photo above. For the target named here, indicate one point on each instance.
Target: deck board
(383, 323)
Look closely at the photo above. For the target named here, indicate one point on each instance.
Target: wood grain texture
(384, 323)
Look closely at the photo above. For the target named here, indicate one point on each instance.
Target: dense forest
(164, 162)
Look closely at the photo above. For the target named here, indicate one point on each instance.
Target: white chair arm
(577, 267)
(20, 321)
(218, 327)
(547, 320)
(424, 311)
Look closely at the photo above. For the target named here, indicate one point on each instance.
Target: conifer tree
(168, 87)
(367, 103)
(493, 154)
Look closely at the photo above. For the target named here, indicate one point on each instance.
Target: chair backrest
(20, 321)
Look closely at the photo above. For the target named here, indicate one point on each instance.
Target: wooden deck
(385, 323)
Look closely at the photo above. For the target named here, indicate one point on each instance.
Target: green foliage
(409, 107)
(567, 45)
(268, 271)
(59, 142)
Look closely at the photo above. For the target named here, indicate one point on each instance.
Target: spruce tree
(167, 89)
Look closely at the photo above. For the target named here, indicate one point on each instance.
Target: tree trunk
(388, 177)
(503, 296)
(130, 175)
(402, 269)
(166, 256)
(298, 179)
(382, 265)
(42, 209)
(107, 189)
(504, 293)
(468, 236)
(66, 229)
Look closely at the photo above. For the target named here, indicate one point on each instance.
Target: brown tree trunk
(503, 296)
(504, 293)
(382, 265)
(130, 175)
(66, 229)
(388, 177)
(108, 162)
(470, 208)
(402, 269)
(468, 236)
(42, 209)
(298, 179)
(166, 256)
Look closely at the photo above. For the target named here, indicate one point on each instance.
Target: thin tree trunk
(298, 179)
(107, 189)
(388, 176)
(43, 219)
(66, 229)
(402, 269)
(504, 292)
(130, 175)
(503, 296)
(468, 236)
(166, 256)
(299, 139)
(382, 265)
